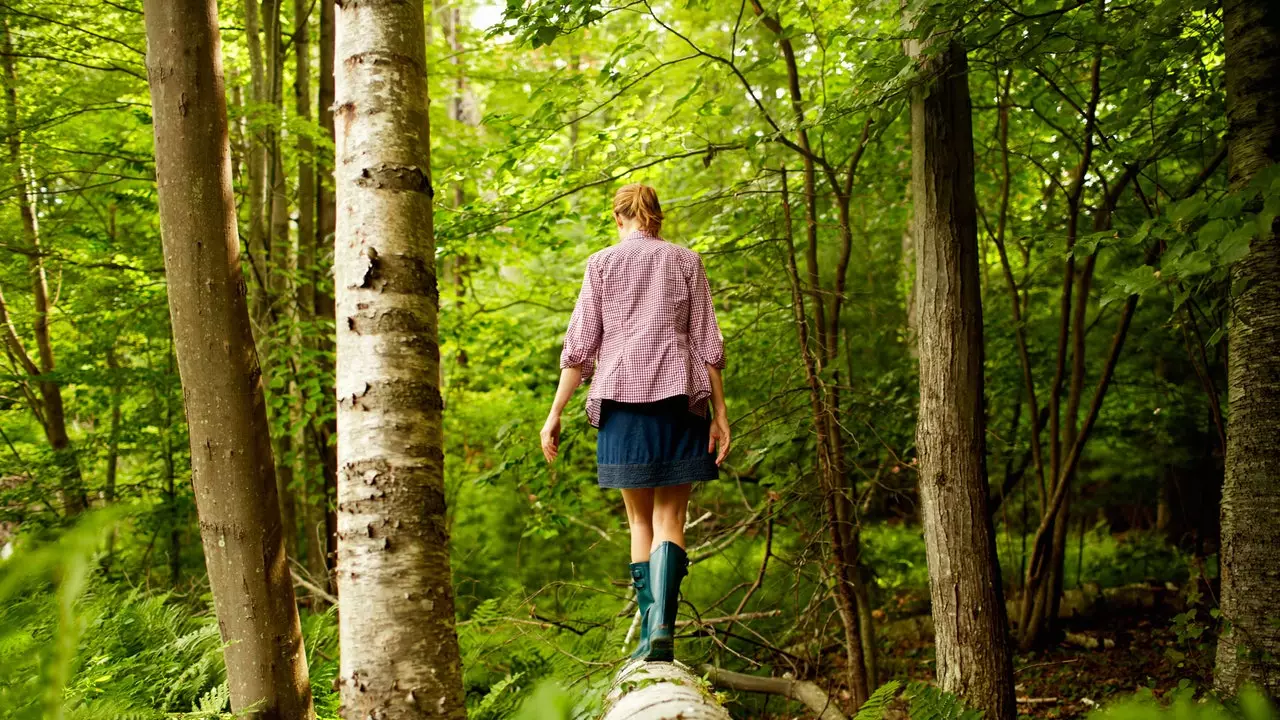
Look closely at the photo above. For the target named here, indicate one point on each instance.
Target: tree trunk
(113, 439)
(231, 465)
(658, 691)
(400, 656)
(257, 166)
(846, 600)
(326, 214)
(314, 544)
(53, 416)
(1249, 648)
(170, 479)
(968, 605)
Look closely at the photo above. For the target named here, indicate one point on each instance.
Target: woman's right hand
(551, 437)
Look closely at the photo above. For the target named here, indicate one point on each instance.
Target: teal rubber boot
(644, 599)
(668, 566)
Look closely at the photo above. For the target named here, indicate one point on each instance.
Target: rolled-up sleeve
(586, 327)
(704, 331)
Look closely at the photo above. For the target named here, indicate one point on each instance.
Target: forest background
(779, 139)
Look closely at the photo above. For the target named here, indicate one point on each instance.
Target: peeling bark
(659, 691)
(400, 656)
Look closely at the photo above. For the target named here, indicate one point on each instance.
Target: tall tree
(48, 408)
(313, 496)
(964, 576)
(280, 266)
(257, 163)
(326, 214)
(400, 656)
(1249, 650)
(231, 465)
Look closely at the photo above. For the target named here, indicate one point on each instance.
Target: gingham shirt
(644, 327)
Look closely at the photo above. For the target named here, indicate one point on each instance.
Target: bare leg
(670, 505)
(639, 504)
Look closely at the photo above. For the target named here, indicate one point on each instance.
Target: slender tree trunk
(326, 214)
(1038, 610)
(1249, 649)
(968, 602)
(394, 580)
(231, 465)
(171, 486)
(257, 167)
(451, 21)
(842, 574)
(314, 544)
(909, 276)
(279, 266)
(113, 441)
(859, 635)
(70, 482)
(238, 142)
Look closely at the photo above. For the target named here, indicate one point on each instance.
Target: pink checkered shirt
(644, 327)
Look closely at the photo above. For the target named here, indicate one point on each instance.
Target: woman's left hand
(719, 436)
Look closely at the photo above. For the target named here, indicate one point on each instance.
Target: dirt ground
(1097, 657)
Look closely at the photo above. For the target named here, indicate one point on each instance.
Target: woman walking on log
(644, 333)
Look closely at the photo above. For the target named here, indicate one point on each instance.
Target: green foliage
(75, 645)
(927, 702)
(875, 706)
(1182, 704)
(535, 120)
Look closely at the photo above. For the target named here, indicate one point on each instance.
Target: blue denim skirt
(653, 444)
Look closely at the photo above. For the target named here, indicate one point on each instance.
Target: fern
(933, 703)
(216, 700)
(495, 704)
(874, 707)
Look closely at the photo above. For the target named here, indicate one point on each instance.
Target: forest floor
(1151, 647)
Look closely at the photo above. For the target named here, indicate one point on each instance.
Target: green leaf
(1235, 246)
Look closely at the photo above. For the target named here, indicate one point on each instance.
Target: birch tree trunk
(231, 465)
(400, 655)
(1249, 649)
(659, 691)
(964, 579)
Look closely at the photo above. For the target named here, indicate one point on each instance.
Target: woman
(644, 332)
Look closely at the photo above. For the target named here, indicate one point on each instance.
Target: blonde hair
(640, 203)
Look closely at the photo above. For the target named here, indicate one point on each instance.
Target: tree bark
(1249, 648)
(314, 497)
(231, 466)
(400, 656)
(113, 437)
(279, 267)
(658, 691)
(257, 165)
(326, 214)
(968, 605)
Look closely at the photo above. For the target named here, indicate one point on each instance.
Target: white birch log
(660, 691)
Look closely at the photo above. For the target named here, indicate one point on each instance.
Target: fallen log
(660, 691)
